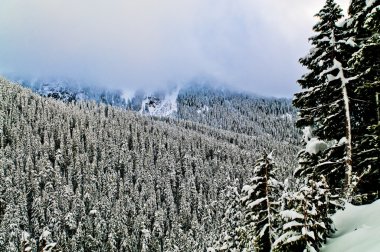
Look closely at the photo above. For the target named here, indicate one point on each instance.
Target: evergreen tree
(261, 205)
(230, 238)
(306, 218)
(365, 63)
(325, 102)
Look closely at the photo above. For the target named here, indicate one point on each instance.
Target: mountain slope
(99, 178)
(239, 112)
(164, 107)
(197, 101)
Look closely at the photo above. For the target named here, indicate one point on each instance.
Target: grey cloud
(252, 45)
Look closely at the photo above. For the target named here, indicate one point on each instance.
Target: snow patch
(256, 202)
(162, 108)
(351, 43)
(25, 236)
(307, 134)
(291, 224)
(370, 2)
(342, 141)
(290, 214)
(45, 234)
(358, 229)
(93, 212)
(314, 146)
(50, 247)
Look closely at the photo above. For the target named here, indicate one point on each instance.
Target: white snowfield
(358, 229)
(165, 108)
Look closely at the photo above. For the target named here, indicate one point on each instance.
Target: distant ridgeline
(220, 108)
(239, 112)
(87, 176)
(69, 91)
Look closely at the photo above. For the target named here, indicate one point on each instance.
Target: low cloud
(128, 44)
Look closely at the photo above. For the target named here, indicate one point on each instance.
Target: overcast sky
(252, 45)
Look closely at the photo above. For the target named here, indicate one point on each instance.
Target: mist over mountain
(201, 100)
(149, 44)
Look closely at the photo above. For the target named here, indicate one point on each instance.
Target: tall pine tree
(324, 103)
(364, 27)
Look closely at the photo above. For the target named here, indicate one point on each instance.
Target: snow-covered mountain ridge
(71, 90)
(165, 107)
(200, 102)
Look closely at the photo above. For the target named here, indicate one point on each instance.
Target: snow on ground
(358, 229)
(164, 108)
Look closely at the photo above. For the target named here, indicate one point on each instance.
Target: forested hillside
(71, 90)
(90, 177)
(238, 112)
(201, 169)
(196, 101)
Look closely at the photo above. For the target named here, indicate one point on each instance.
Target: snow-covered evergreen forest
(197, 101)
(99, 178)
(223, 171)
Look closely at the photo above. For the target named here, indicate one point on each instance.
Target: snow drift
(358, 229)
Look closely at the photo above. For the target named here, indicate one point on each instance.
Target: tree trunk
(378, 106)
(348, 172)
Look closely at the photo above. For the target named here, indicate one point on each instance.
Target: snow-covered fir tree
(232, 222)
(306, 217)
(313, 104)
(328, 104)
(261, 204)
(364, 20)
